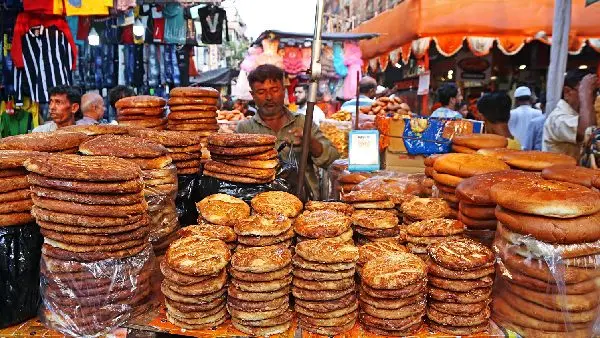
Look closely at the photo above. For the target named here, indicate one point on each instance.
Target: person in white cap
(521, 116)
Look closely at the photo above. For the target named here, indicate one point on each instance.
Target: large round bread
(97, 129)
(14, 159)
(327, 251)
(140, 101)
(364, 196)
(220, 167)
(261, 259)
(277, 203)
(221, 232)
(496, 152)
(115, 187)
(435, 227)
(572, 174)
(546, 198)
(48, 142)
(552, 230)
(194, 92)
(122, 146)
(90, 209)
(426, 208)
(84, 168)
(197, 255)
(375, 219)
(537, 160)
(373, 250)
(176, 101)
(335, 206)
(238, 151)
(460, 254)
(394, 271)
(168, 138)
(242, 140)
(105, 199)
(467, 165)
(257, 225)
(223, 209)
(321, 224)
(480, 141)
(262, 157)
(476, 189)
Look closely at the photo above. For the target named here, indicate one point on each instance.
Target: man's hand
(588, 85)
(587, 115)
(296, 135)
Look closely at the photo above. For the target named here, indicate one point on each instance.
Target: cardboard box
(403, 162)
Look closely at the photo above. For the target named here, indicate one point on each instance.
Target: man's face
(571, 95)
(61, 109)
(300, 95)
(269, 97)
(98, 110)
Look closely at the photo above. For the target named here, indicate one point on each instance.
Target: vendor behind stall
(266, 84)
(64, 105)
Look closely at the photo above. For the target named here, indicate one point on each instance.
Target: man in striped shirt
(64, 104)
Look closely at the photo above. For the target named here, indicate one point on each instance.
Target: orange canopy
(412, 24)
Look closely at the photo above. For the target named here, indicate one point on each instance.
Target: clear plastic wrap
(20, 248)
(544, 289)
(160, 191)
(334, 172)
(398, 186)
(92, 299)
(337, 132)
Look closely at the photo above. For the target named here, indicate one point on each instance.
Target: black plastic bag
(188, 193)
(286, 180)
(20, 251)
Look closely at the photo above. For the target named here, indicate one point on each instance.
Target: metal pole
(559, 51)
(315, 74)
(357, 109)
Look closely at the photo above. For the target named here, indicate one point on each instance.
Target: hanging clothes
(175, 25)
(270, 53)
(25, 21)
(353, 60)
(212, 19)
(44, 6)
(338, 60)
(250, 61)
(18, 123)
(158, 21)
(48, 61)
(124, 5)
(292, 60)
(327, 69)
(88, 7)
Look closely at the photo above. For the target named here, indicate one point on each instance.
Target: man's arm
(322, 151)
(587, 115)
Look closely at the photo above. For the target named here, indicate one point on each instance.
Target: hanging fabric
(353, 60)
(175, 25)
(212, 19)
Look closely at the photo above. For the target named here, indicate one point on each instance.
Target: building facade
(344, 15)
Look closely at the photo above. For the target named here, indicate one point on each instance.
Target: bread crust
(445, 179)
(83, 168)
(476, 190)
(150, 122)
(225, 168)
(104, 199)
(233, 291)
(193, 127)
(373, 250)
(537, 160)
(262, 331)
(426, 208)
(463, 150)
(335, 206)
(97, 129)
(90, 209)
(95, 240)
(435, 227)
(193, 109)
(281, 319)
(197, 255)
(458, 320)
(460, 309)
(364, 196)
(478, 224)
(261, 259)
(321, 224)
(283, 239)
(63, 254)
(277, 203)
(546, 198)
(440, 271)
(152, 163)
(267, 155)
(327, 251)
(194, 92)
(460, 330)
(332, 305)
(467, 165)
(323, 285)
(177, 101)
(262, 276)
(15, 218)
(46, 142)
(242, 140)
(190, 115)
(8, 184)
(572, 174)
(140, 101)
(116, 187)
(324, 267)
(469, 297)
(237, 151)
(169, 138)
(14, 160)
(460, 254)
(480, 141)
(221, 232)
(249, 166)
(476, 211)
(223, 209)
(394, 271)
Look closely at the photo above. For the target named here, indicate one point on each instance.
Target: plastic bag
(397, 186)
(286, 180)
(545, 288)
(160, 191)
(188, 194)
(20, 248)
(94, 298)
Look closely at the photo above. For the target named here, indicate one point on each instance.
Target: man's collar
(290, 118)
(566, 107)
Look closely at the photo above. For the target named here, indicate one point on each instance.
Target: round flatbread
(169, 138)
(238, 151)
(277, 203)
(426, 208)
(261, 259)
(322, 224)
(197, 255)
(223, 209)
(394, 271)
(175, 101)
(537, 160)
(14, 159)
(327, 251)
(375, 219)
(219, 167)
(116, 187)
(467, 165)
(84, 168)
(8, 184)
(122, 146)
(572, 174)
(236, 178)
(461, 254)
(103, 199)
(90, 209)
(480, 141)
(97, 129)
(194, 92)
(48, 142)
(140, 101)
(476, 189)
(546, 198)
(150, 122)
(267, 155)
(258, 225)
(242, 140)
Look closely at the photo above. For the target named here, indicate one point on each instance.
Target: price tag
(363, 150)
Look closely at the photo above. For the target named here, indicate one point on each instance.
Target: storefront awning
(309, 36)
(217, 77)
(411, 25)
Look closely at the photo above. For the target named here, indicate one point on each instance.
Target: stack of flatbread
(15, 199)
(186, 149)
(95, 268)
(242, 158)
(97, 129)
(141, 111)
(160, 178)
(53, 142)
(195, 282)
(193, 109)
(220, 211)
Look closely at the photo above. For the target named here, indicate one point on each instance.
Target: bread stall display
(461, 274)
(195, 282)
(259, 293)
(325, 299)
(393, 294)
(547, 242)
(193, 109)
(186, 149)
(451, 169)
(96, 258)
(142, 111)
(374, 216)
(242, 158)
(159, 178)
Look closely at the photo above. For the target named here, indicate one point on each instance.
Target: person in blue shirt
(367, 88)
(450, 97)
